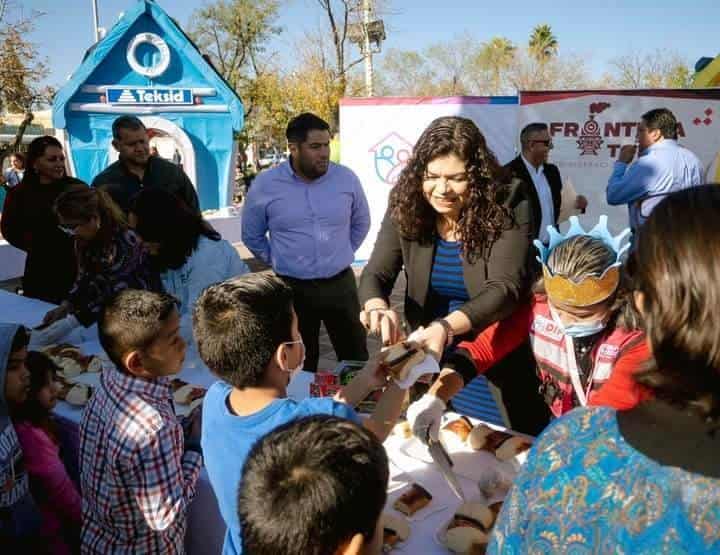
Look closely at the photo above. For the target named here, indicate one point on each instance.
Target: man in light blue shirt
(662, 167)
(306, 218)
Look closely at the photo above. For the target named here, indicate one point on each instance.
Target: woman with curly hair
(646, 479)
(462, 235)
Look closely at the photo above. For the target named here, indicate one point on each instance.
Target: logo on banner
(590, 140)
(596, 138)
(390, 155)
(707, 120)
(157, 96)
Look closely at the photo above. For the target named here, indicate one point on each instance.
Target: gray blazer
(495, 285)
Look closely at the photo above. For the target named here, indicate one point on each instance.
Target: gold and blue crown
(592, 289)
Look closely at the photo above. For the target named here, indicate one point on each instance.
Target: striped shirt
(447, 284)
(448, 293)
(136, 481)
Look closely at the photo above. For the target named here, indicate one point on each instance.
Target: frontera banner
(377, 136)
(589, 127)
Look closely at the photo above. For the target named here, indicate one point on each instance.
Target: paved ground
(327, 355)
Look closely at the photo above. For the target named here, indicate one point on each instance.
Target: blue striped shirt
(448, 293)
(447, 284)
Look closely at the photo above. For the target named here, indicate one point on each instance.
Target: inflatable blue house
(148, 67)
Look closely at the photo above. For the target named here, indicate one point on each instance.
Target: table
(206, 528)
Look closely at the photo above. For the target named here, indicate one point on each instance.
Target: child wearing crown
(583, 329)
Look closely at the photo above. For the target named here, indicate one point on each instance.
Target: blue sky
(598, 30)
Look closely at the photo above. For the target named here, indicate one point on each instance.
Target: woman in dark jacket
(29, 223)
(462, 235)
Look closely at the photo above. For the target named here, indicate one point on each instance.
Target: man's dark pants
(334, 302)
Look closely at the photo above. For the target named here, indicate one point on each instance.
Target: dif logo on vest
(146, 95)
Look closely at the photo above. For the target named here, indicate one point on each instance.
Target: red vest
(551, 353)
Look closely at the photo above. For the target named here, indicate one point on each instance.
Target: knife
(445, 464)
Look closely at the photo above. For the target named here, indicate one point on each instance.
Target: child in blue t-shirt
(247, 334)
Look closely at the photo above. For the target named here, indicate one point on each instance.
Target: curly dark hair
(484, 217)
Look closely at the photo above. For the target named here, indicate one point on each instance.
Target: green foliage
(21, 71)
(543, 44)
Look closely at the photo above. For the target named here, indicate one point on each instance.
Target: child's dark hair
(132, 320)
(20, 340)
(311, 485)
(42, 371)
(240, 323)
(164, 218)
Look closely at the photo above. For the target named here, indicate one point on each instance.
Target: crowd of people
(602, 344)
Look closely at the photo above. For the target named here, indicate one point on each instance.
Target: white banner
(589, 127)
(377, 136)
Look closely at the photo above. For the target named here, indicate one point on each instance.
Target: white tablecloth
(205, 525)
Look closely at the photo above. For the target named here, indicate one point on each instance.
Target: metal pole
(367, 54)
(95, 20)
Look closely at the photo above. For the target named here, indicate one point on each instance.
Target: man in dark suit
(544, 179)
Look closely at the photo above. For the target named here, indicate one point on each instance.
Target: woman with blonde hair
(646, 479)
(110, 257)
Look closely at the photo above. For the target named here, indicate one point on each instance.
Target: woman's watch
(449, 333)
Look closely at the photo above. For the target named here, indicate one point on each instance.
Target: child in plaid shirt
(137, 472)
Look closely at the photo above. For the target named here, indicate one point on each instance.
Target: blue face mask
(584, 330)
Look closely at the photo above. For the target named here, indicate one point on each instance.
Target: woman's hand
(433, 339)
(384, 322)
(55, 314)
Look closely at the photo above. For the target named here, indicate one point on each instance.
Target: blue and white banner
(148, 95)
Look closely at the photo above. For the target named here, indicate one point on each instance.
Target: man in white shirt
(533, 168)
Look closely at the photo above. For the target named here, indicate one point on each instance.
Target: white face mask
(293, 371)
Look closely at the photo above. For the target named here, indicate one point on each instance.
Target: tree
(543, 44)
(557, 73)
(657, 69)
(23, 71)
(340, 15)
(234, 34)
(406, 73)
(494, 59)
(453, 63)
